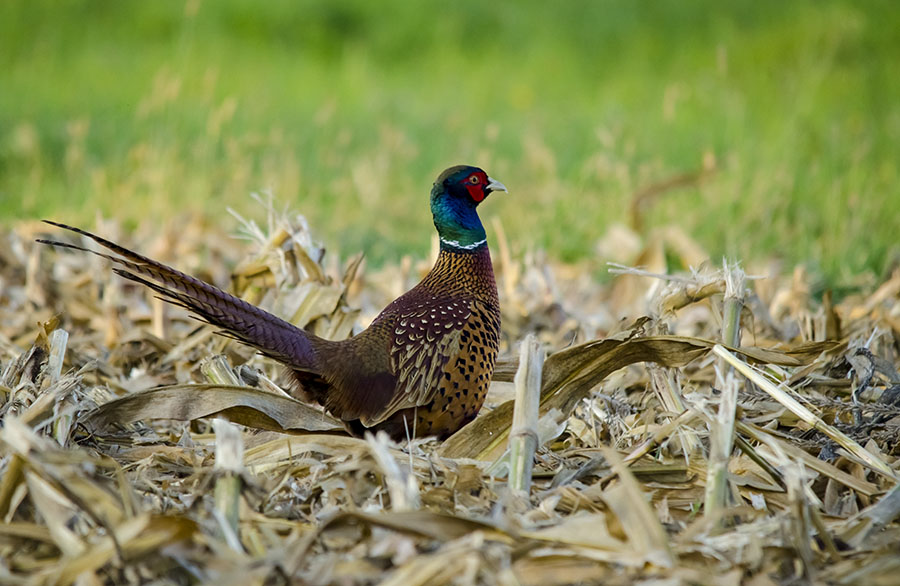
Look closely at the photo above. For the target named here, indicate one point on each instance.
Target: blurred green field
(347, 111)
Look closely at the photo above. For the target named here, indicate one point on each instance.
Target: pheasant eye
(473, 179)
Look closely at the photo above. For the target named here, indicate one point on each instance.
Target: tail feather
(238, 319)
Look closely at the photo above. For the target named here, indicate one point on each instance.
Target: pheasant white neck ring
(457, 245)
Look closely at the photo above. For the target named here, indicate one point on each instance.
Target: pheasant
(421, 368)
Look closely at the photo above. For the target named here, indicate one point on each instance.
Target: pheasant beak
(494, 185)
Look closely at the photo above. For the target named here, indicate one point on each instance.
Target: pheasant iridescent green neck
(457, 222)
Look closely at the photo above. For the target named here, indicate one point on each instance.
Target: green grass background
(347, 110)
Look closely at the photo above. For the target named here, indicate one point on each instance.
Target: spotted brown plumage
(421, 368)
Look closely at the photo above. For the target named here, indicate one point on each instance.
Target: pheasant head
(454, 199)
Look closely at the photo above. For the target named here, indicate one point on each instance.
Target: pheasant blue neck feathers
(454, 199)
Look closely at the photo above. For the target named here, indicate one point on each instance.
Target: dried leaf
(569, 375)
(245, 405)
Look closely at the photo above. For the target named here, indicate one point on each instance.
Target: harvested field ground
(676, 445)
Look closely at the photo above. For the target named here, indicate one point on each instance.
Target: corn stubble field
(699, 428)
(714, 425)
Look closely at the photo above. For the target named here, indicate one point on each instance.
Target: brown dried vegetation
(694, 429)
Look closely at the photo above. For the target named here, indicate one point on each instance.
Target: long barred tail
(253, 326)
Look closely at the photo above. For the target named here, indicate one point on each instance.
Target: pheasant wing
(426, 336)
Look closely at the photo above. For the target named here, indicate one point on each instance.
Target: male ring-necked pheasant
(424, 364)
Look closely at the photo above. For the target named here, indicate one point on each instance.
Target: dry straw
(721, 433)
